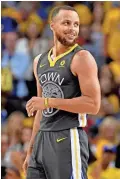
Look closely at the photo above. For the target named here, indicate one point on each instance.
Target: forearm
(83, 104)
(36, 127)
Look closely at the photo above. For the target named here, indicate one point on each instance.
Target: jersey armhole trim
(39, 60)
(72, 60)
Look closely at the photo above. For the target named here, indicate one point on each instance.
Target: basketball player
(68, 89)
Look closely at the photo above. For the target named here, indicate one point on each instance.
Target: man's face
(10, 40)
(65, 27)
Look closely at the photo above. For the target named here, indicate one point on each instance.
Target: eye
(76, 25)
(66, 23)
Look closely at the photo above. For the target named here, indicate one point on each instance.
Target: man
(111, 30)
(13, 61)
(67, 85)
(102, 168)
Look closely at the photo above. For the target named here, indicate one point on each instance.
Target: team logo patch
(62, 63)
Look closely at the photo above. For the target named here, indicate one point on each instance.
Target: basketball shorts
(59, 155)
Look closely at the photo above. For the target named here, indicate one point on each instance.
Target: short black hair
(56, 10)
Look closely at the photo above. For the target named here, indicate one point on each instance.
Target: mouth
(71, 36)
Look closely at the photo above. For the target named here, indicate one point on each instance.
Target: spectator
(84, 14)
(24, 13)
(15, 122)
(32, 45)
(112, 33)
(17, 159)
(101, 168)
(14, 61)
(29, 14)
(96, 33)
(108, 132)
(26, 136)
(110, 91)
(93, 138)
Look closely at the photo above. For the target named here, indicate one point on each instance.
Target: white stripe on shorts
(75, 152)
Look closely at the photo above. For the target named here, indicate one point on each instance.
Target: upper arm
(39, 89)
(85, 68)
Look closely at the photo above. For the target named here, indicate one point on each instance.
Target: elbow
(96, 109)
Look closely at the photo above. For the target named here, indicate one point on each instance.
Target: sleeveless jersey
(57, 81)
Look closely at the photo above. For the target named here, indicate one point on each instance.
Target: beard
(66, 41)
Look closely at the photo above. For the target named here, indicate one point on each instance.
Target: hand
(34, 104)
(25, 164)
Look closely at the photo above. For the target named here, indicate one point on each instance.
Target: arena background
(25, 34)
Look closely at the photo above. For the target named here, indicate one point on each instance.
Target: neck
(59, 49)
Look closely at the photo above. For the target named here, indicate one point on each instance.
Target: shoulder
(36, 59)
(35, 63)
(83, 54)
(83, 60)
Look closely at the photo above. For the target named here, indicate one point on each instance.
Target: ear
(51, 25)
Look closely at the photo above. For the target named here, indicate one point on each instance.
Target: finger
(29, 109)
(28, 112)
(32, 111)
(32, 108)
(29, 103)
(31, 100)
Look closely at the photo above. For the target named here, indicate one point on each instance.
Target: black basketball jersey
(57, 81)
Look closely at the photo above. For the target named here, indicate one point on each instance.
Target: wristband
(46, 103)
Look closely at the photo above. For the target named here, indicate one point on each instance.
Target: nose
(72, 26)
(72, 30)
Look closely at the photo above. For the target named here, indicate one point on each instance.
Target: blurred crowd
(25, 34)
